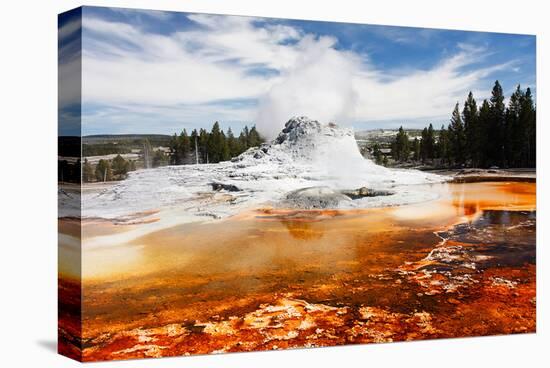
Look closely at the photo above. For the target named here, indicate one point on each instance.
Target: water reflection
(319, 242)
(219, 270)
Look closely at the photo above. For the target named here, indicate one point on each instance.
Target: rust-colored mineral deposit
(462, 265)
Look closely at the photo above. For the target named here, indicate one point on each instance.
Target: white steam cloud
(319, 85)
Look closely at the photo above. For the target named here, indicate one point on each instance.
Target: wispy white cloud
(69, 58)
(423, 93)
(236, 38)
(178, 76)
(155, 69)
(69, 28)
(156, 14)
(405, 35)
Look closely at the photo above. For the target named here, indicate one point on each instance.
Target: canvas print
(231, 184)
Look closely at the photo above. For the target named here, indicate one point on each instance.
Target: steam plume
(318, 85)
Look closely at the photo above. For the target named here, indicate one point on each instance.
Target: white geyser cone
(331, 156)
(305, 154)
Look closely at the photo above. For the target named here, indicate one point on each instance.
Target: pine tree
(470, 117)
(245, 134)
(174, 150)
(527, 118)
(120, 166)
(423, 145)
(515, 134)
(243, 139)
(400, 146)
(431, 141)
(103, 171)
(443, 150)
(484, 134)
(215, 144)
(87, 171)
(185, 147)
(497, 126)
(254, 139)
(377, 154)
(427, 144)
(416, 149)
(457, 138)
(232, 143)
(225, 154)
(203, 146)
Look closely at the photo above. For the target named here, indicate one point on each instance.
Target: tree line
(200, 146)
(490, 135)
(211, 147)
(101, 149)
(107, 170)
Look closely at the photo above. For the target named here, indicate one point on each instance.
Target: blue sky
(159, 72)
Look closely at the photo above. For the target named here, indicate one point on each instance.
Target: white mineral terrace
(305, 154)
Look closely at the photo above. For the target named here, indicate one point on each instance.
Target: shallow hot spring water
(461, 265)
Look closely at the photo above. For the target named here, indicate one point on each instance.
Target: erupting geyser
(305, 154)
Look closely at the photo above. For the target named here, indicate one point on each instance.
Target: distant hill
(109, 144)
(110, 138)
(384, 136)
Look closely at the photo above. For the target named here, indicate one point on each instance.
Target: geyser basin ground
(305, 154)
(230, 257)
(460, 265)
